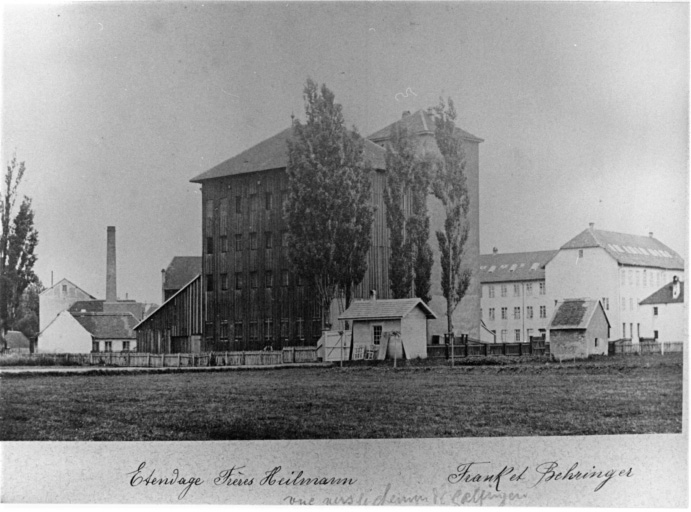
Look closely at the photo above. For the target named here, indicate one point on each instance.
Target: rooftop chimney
(650, 234)
(111, 277)
(495, 250)
(592, 225)
(163, 285)
(373, 295)
(406, 113)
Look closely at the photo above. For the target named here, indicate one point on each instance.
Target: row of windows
(517, 312)
(108, 346)
(643, 277)
(238, 329)
(253, 203)
(633, 303)
(253, 280)
(504, 289)
(239, 245)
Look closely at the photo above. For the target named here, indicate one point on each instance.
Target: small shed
(373, 319)
(578, 328)
(17, 343)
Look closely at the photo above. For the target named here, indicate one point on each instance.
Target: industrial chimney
(111, 276)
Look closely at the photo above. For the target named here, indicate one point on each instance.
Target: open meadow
(615, 395)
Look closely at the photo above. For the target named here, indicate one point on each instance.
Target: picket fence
(488, 349)
(647, 347)
(137, 359)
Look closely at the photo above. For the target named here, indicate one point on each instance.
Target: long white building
(520, 290)
(619, 269)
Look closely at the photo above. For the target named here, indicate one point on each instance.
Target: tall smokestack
(111, 276)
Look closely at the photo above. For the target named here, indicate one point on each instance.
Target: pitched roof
(665, 295)
(181, 271)
(272, 153)
(67, 281)
(107, 325)
(153, 312)
(418, 123)
(380, 309)
(642, 251)
(16, 339)
(516, 266)
(137, 309)
(574, 314)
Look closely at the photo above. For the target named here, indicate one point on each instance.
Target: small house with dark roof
(372, 319)
(578, 328)
(618, 269)
(17, 343)
(665, 313)
(59, 297)
(515, 306)
(82, 333)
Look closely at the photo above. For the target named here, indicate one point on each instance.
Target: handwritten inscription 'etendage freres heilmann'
(471, 483)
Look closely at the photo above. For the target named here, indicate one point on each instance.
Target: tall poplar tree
(410, 263)
(450, 187)
(18, 241)
(328, 210)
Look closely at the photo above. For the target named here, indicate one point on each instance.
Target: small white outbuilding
(372, 319)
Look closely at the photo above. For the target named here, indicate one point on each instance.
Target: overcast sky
(115, 107)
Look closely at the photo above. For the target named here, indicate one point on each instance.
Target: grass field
(616, 395)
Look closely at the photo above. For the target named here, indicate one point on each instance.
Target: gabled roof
(67, 281)
(665, 295)
(272, 153)
(642, 251)
(418, 123)
(575, 314)
(382, 309)
(162, 306)
(107, 325)
(182, 270)
(16, 339)
(516, 266)
(137, 309)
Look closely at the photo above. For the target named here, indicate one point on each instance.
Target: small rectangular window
(491, 291)
(543, 311)
(238, 242)
(517, 313)
(580, 253)
(300, 328)
(284, 328)
(503, 313)
(268, 329)
(254, 331)
(503, 290)
(239, 282)
(284, 277)
(268, 279)
(284, 239)
(376, 334)
(542, 288)
(224, 243)
(209, 283)
(654, 310)
(224, 330)
(268, 240)
(655, 335)
(268, 201)
(529, 288)
(109, 346)
(224, 281)
(238, 331)
(209, 245)
(517, 333)
(491, 313)
(238, 205)
(125, 346)
(94, 346)
(503, 335)
(253, 241)
(529, 311)
(516, 290)
(254, 280)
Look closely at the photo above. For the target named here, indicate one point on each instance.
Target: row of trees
(329, 212)
(19, 285)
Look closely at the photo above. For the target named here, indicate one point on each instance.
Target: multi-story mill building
(251, 298)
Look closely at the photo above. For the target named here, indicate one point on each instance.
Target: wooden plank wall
(248, 315)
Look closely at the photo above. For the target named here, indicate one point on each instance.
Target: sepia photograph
(273, 253)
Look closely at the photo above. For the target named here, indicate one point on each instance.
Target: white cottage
(373, 321)
(664, 313)
(82, 333)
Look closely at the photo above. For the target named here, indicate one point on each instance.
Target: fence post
(520, 349)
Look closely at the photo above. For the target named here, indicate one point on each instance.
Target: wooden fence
(488, 349)
(626, 347)
(136, 359)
